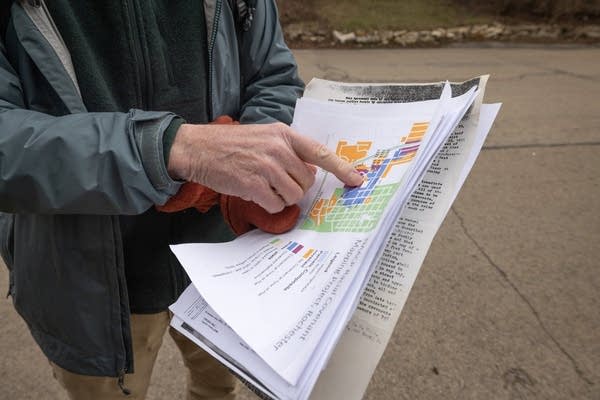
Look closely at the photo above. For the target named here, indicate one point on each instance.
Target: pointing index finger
(318, 154)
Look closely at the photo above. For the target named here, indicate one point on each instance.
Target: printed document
(273, 307)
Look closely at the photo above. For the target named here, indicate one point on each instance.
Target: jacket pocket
(7, 223)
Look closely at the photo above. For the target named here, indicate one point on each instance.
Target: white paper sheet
(290, 296)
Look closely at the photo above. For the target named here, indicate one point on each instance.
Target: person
(104, 116)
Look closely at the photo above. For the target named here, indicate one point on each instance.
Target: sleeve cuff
(169, 136)
(149, 128)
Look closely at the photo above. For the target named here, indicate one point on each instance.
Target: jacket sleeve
(270, 81)
(86, 163)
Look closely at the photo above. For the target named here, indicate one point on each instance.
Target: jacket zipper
(124, 310)
(121, 383)
(140, 55)
(211, 48)
(144, 95)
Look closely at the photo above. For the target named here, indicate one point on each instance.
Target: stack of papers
(273, 307)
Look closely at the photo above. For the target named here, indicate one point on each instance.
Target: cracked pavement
(506, 305)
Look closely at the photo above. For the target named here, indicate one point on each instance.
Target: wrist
(178, 160)
(169, 137)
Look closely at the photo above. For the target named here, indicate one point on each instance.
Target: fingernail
(356, 178)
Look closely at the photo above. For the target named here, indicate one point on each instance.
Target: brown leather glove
(191, 195)
(243, 216)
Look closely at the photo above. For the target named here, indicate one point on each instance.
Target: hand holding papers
(272, 308)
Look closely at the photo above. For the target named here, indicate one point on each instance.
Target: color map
(359, 209)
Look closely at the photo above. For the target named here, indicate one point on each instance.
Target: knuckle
(299, 193)
(249, 185)
(305, 180)
(274, 146)
(277, 129)
(322, 152)
(342, 165)
(272, 170)
(291, 195)
(310, 181)
(255, 189)
(273, 204)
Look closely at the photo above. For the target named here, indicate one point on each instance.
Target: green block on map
(362, 217)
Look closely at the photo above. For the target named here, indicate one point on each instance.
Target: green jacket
(66, 174)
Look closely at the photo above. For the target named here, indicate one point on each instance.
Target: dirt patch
(291, 12)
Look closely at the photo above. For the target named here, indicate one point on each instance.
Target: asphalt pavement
(507, 303)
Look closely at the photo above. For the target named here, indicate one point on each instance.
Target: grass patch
(353, 15)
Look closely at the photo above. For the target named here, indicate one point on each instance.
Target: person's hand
(192, 194)
(260, 163)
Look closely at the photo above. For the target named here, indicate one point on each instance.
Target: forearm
(90, 163)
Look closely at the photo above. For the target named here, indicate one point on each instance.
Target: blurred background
(312, 23)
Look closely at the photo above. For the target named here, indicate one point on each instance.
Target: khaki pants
(206, 377)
